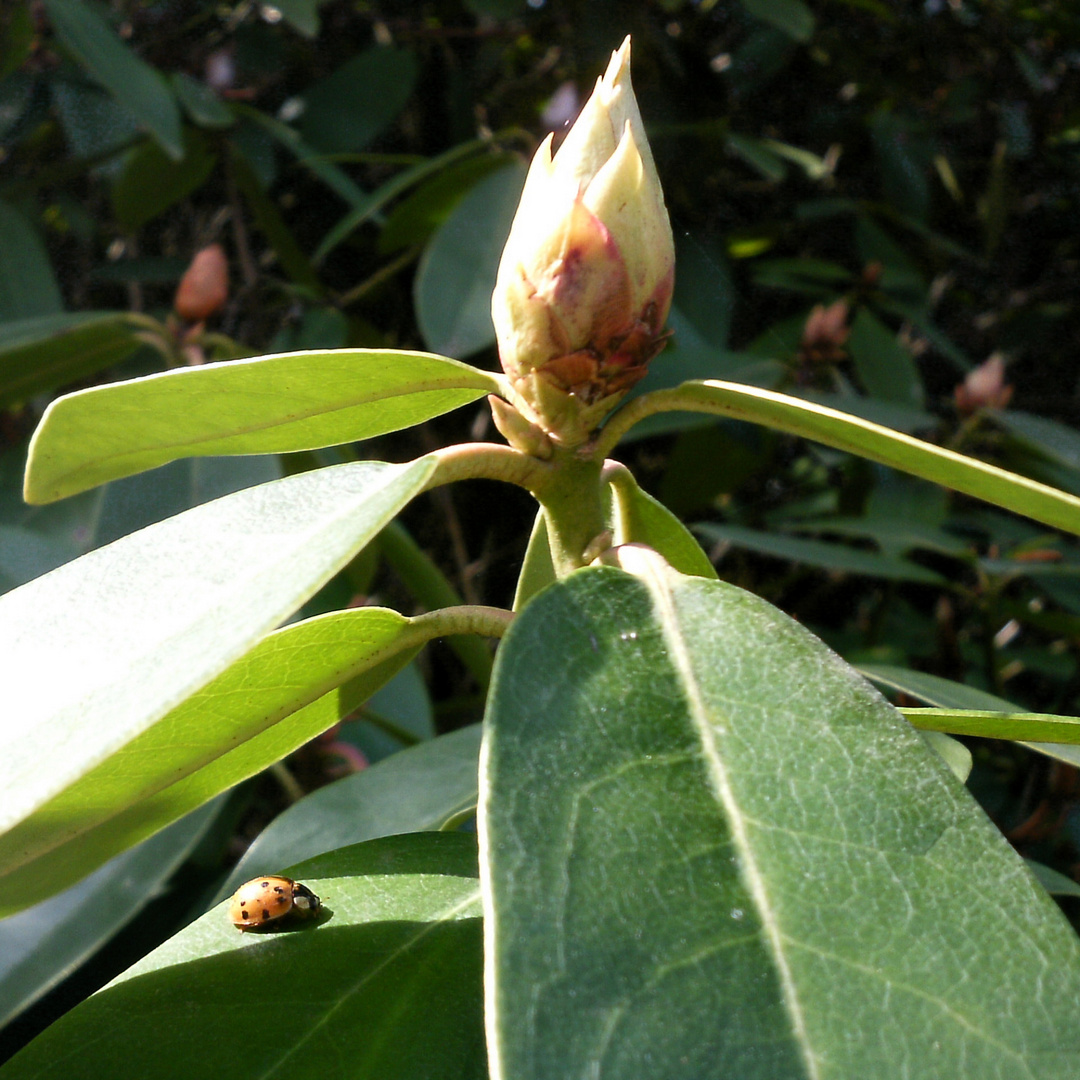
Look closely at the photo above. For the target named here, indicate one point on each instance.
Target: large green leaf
(95, 653)
(864, 438)
(270, 404)
(387, 986)
(709, 849)
(43, 353)
(425, 787)
(133, 82)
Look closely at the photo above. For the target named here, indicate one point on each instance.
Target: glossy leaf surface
(271, 404)
(697, 864)
(386, 986)
(95, 653)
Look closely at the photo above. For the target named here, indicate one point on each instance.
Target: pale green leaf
(95, 653)
(711, 850)
(269, 404)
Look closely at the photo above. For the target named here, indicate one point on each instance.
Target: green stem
(573, 508)
(467, 619)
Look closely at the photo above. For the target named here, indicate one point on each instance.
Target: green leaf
(153, 181)
(133, 82)
(416, 217)
(387, 986)
(201, 104)
(336, 179)
(41, 946)
(849, 433)
(268, 219)
(27, 284)
(301, 15)
(1054, 883)
(426, 787)
(711, 850)
(97, 652)
(281, 695)
(945, 694)
(270, 404)
(346, 110)
(42, 354)
(992, 724)
(792, 16)
(637, 518)
(820, 553)
(457, 272)
(886, 368)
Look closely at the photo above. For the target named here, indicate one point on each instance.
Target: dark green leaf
(348, 108)
(886, 368)
(152, 180)
(201, 103)
(136, 85)
(27, 285)
(416, 217)
(696, 864)
(818, 553)
(42, 354)
(945, 694)
(791, 16)
(457, 272)
(302, 15)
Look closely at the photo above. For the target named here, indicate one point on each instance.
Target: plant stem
(573, 508)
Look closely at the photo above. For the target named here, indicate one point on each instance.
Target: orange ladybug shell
(266, 901)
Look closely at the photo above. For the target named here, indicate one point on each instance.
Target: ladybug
(269, 901)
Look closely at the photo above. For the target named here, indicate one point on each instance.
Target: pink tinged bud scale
(585, 282)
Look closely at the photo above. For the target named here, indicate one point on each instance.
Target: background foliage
(911, 169)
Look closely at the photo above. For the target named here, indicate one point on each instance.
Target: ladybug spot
(265, 914)
(243, 914)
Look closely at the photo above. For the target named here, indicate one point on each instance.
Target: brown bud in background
(984, 388)
(825, 334)
(204, 288)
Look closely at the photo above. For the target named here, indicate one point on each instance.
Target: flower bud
(984, 387)
(585, 281)
(204, 288)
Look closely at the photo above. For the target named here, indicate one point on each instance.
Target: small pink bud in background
(204, 288)
(586, 277)
(984, 388)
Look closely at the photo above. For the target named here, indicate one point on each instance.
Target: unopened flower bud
(204, 288)
(585, 281)
(984, 387)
